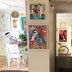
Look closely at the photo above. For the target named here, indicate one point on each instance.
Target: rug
(12, 71)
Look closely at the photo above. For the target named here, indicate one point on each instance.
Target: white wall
(66, 18)
(42, 60)
(13, 32)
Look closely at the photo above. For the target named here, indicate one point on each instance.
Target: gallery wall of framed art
(64, 35)
(37, 16)
(39, 35)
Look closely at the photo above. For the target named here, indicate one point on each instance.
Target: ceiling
(14, 4)
(63, 5)
(63, 0)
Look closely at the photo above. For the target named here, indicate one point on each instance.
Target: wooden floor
(3, 65)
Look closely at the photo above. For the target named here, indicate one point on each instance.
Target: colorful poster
(15, 23)
(62, 35)
(37, 37)
(37, 11)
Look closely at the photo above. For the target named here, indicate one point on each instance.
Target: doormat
(12, 71)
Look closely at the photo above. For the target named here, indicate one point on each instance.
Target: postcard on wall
(37, 11)
(63, 35)
(37, 37)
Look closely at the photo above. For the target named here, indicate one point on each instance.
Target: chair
(23, 54)
(13, 53)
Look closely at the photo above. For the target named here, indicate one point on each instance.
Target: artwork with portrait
(37, 11)
(37, 37)
(62, 35)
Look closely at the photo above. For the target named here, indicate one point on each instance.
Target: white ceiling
(14, 4)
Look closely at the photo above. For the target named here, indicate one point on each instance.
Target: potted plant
(22, 37)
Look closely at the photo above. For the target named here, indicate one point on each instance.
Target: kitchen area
(13, 36)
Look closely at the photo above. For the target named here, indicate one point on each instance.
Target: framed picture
(37, 36)
(62, 35)
(63, 25)
(5, 21)
(37, 11)
(16, 24)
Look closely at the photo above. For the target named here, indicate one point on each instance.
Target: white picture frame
(59, 40)
(16, 27)
(5, 22)
(62, 24)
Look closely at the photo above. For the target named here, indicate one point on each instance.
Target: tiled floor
(3, 65)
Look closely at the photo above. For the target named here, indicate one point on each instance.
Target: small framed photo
(37, 11)
(63, 25)
(15, 24)
(63, 35)
(38, 36)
